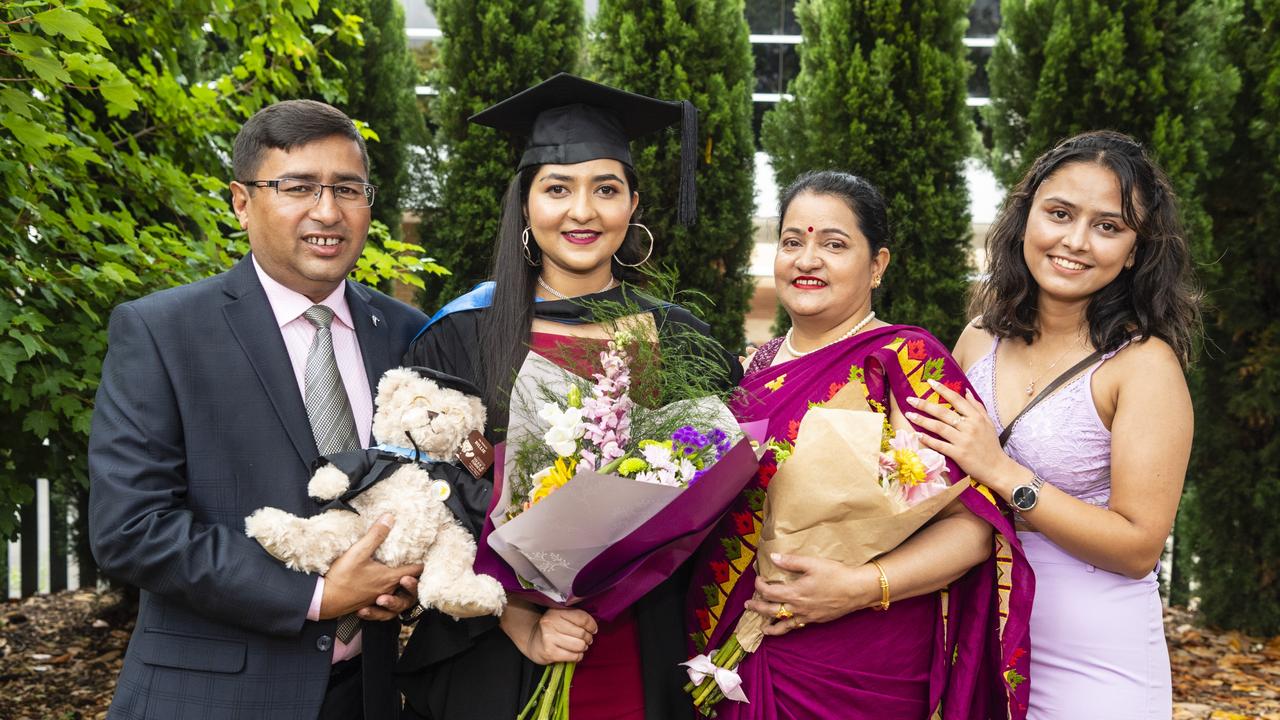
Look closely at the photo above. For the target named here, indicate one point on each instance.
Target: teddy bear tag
(476, 454)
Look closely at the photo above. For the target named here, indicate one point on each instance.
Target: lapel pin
(375, 320)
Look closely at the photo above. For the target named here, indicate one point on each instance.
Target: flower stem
(549, 698)
(537, 693)
(563, 712)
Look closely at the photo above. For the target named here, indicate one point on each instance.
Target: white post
(73, 563)
(15, 568)
(43, 546)
(1166, 568)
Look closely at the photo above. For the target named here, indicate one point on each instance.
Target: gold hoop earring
(646, 255)
(524, 240)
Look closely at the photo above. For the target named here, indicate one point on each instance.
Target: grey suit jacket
(198, 423)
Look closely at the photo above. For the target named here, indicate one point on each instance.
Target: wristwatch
(413, 614)
(1025, 497)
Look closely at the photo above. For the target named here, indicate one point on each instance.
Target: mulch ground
(60, 654)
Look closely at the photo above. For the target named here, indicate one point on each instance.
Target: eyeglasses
(346, 194)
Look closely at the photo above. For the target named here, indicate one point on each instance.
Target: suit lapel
(254, 325)
(373, 334)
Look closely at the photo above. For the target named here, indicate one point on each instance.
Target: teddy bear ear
(478, 411)
(392, 380)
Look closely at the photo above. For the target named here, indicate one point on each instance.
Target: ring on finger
(783, 613)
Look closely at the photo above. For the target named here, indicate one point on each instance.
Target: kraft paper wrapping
(826, 500)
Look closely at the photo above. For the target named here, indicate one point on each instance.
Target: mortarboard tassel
(688, 208)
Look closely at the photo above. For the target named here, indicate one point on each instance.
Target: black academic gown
(470, 669)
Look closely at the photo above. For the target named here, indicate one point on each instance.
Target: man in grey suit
(215, 399)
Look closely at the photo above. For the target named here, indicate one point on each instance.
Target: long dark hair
(506, 324)
(1157, 297)
(863, 198)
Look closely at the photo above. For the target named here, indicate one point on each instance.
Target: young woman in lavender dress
(1087, 255)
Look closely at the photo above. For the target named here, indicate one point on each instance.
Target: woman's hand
(965, 434)
(561, 636)
(826, 590)
(549, 636)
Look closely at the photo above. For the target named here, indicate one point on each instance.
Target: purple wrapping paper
(642, 557)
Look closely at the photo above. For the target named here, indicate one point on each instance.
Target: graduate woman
(568, 234)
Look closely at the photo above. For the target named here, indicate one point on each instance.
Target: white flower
(687, 471)
(566, 428)
(656, 454)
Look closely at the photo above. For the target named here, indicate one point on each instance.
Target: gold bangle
(884, 589)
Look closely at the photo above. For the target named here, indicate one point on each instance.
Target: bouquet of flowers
(887, 486)
(640, 488)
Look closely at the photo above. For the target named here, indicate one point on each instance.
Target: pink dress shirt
(298, 334)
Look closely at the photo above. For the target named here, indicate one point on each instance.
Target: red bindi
(810, 228)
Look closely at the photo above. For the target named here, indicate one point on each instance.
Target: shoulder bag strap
(1069, 373)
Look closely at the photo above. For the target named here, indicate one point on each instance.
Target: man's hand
(389, 607)
(355, 580)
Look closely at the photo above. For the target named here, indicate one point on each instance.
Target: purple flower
(687, 435)
(721, 441)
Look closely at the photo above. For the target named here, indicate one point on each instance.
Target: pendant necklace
(562, 296)
(1030, 389)
(852, 331)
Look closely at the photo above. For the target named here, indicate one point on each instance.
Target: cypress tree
(489, 51)
(697, 51)
(1236, 456)
(1151, 68)
(379, 76)
(881, 93)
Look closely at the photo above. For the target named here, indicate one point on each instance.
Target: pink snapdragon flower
(606, 415)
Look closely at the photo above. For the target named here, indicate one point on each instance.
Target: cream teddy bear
(436, 414)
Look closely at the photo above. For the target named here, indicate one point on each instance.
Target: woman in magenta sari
(951, 641)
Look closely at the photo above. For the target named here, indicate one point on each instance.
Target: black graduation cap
(570, 120)
(445, 380)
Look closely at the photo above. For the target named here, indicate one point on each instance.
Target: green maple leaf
(70, 24)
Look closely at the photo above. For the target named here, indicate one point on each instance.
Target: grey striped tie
(332, 424)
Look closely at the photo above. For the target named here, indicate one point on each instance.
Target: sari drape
(962, 652)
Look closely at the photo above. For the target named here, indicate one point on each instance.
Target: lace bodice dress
(1097, 638)
(1062, 438)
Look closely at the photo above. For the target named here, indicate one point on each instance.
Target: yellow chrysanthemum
(911, 470)
(557, 475)
(631, 466)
